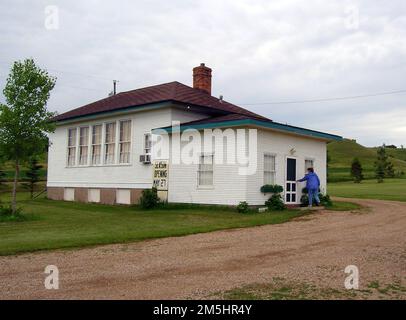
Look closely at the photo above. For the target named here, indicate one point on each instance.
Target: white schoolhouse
(106, 151)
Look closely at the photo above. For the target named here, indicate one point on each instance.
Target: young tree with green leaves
(383, 167)
(33, 175)
(356, 170)
(24, 119)
(2, 178)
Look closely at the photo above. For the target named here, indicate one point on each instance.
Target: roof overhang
(271, 125)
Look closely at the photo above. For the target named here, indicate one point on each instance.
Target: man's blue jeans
(313, 193)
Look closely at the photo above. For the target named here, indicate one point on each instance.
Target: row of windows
(270, 168)
(85, 144)
(205, 169)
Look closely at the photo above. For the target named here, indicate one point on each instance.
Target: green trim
(253, 122)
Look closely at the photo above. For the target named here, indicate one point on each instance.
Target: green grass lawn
(390, 189)
(59, 224)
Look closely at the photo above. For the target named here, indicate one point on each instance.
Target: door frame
(286, 181)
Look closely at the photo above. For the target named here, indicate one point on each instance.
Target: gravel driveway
(313, 248)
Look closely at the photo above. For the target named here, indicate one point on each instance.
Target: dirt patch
(313, 252)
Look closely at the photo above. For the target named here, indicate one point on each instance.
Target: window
(69, 194)
(71, 147)
(269, 169)
(147, 143)
(93, 195)
(125, 141)
(110, 143)
(309, 163)
(205, 172)
(96, 144)
(83, 145)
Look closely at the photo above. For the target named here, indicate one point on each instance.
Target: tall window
(83, 145)
(308, 164)
(205, 171)
(110, 143)
(125, 141)
(147, 143)
(96, 144)
(71, 147)
(269, 169)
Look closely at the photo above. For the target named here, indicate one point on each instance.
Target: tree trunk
(14, 196)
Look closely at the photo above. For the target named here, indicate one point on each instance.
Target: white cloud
(259, 51)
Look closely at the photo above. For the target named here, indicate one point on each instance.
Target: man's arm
(318, 180)
(303, 179)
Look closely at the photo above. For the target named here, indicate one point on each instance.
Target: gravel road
(314, 248)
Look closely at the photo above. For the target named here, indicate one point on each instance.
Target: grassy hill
(343, 152)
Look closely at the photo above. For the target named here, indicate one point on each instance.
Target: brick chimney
(202, 78)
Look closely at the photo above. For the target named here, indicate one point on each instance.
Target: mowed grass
(390, 189)
(59, 224)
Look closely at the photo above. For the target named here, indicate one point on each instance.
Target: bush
(325, 200)
(149, 198)
(242, 207)
(304, 200)
(6, 214)
(275, 203)
(271, 188)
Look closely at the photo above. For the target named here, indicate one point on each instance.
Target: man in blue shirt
(312, 185)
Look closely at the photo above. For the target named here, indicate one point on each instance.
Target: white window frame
(200, 171)
(146, 148)
(114, 143)
(86, 145)
(92, 145)
(306, 167)
(271, 172)
(75, 147)
(120, 143)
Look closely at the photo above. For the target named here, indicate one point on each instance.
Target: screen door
(290, 187)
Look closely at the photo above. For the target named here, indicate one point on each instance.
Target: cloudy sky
(263, 54)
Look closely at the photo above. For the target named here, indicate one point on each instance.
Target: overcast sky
(260, 52)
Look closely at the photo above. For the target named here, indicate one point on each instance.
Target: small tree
(356, 170)
(389, 170)
(33, 175)
(381, 164)
(2, 179)
(25, 120)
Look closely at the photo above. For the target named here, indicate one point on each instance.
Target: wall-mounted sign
(160, 175)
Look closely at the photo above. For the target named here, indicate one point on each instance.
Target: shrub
(271, 188)
(149, 198)
(6, 214)
(275, 202)
(242, 207)
(304, 200)
(325, 200)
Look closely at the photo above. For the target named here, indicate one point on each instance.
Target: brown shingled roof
(172, 91)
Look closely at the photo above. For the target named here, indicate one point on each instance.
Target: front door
(290, 187)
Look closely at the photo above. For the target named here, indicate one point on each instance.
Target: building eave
(275, 126)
